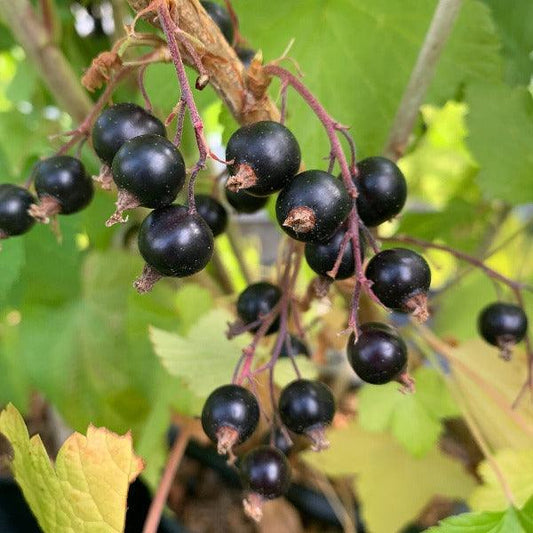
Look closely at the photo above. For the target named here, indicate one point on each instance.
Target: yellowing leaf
(517, 469)
(393, 485)
(87, 490)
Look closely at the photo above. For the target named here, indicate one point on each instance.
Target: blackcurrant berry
(62, 186)
(243, 202)
(382, 190)
(213, 212)
(401, 279)
(379, 355)
(120, 123)
(295, 347)
(229, 417)
(14, 204)
(279, 440)
(265, 158)
(266, 475)
(221, 18)
(256, 301)
(149, 171)
(312, 207)
(245, 55)
(503, 325)
(321, 256)
(173, 243)
(307, 407)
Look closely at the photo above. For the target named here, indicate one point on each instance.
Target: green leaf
(515, 27)
(87, 488)
(501, 137)
(192, 302)
(362, 64)
(204, 358)
(512, 520)
(393, 485)
(11, 262)
(284, 371)
(517, 468)
(414, 419)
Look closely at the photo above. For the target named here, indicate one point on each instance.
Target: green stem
(46, 57)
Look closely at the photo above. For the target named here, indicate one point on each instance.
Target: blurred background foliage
(72, 328)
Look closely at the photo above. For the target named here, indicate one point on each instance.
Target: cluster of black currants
(62, 187)
(231, 415)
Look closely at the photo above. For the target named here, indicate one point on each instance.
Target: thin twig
(421, 76)
(160, 498)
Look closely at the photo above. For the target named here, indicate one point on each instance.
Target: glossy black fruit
(221, 18)
(502, 324)
(399, 276)
(312, 207)
(382, 190)
(243, 202)
(296, 347)
(280, 441)
(14, 204)
(174, 242)
(213, 212)
(379, 355)
(307, 407)
(120, 123)
(230, 412)
(63, 179)
(321, 256)
(258, 300)
(266, 472)
(265, 157)
(151, 169)
(245, 55)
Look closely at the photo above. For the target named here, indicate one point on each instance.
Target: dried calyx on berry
(379, 355)
(313, 206)
(62, 186)
(256, 302)
(503, 325)
(400, 280)
(307, 408)
(266, 475)
(174, 243)
(149, 171)
(264, 157)
(229, 417)
(14, 204)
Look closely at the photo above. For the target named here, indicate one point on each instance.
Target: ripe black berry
(321, 256)
(245, 55)
(62, 186)
(379, 355)
(149, 171)
(173, 243)
(503, 325)
(382, 190)
(256, 301)
(14, 204)
(401, 279)
(280, 440)
(295, 347)
(120, 123)
(265, 474)
(243, 202)
(221, 18)
(265, 157)
(230, 416)
(313, 206)
(307, 407)
(213, 212)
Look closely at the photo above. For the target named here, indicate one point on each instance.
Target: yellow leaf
(517, 469)
(392, 484)
(87, 490)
